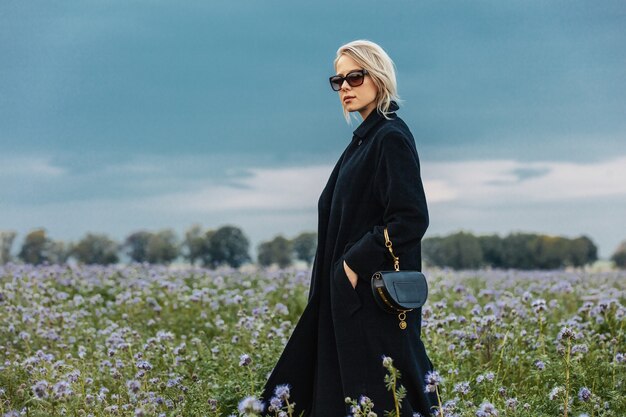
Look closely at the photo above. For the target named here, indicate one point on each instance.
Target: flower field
(145, 340)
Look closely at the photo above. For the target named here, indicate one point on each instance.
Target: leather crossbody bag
(397, 292)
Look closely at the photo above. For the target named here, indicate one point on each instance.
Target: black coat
(336, 348)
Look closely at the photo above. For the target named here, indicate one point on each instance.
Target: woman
(336, 348)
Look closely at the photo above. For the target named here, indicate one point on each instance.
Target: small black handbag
(397, 292)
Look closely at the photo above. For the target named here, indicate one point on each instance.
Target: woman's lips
(346, 99)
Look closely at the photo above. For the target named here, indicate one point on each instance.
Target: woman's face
(361, 98)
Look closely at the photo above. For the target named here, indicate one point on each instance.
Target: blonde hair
(379, 66)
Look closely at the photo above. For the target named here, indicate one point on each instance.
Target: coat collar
(372, 119)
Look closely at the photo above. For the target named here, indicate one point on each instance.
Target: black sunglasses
(354, 79)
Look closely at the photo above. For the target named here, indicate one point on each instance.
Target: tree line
(227, 245)
(463, 250)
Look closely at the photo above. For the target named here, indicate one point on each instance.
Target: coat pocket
(348, 295)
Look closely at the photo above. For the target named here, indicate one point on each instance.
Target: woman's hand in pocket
(352, 276)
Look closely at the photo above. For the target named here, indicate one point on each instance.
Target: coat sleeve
(398, 185)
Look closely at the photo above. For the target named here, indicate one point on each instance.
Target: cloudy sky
(117, 116)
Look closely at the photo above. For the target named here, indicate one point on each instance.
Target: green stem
(395, 397)
(439, 402)
(541, 339)
(569, 343)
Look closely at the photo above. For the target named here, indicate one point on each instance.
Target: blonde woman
(337, 347)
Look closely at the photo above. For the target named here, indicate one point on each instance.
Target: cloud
(497, 181)
(265, 199)
(479, 183)
(30, 167)
(281, 189)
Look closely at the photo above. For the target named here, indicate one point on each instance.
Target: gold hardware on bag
(402, 318)
(396, 266)
(396, 260)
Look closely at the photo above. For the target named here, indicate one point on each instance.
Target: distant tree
(228, 245)
(276, 251)
(582, 251)
(205, 254)
(96, 249)
(464, 251)
(6, 243)
(194, 244)
(433, 251)
(517, 251)
(460, 250)
(548, 252)
(304, 245)
(36, 247)
(136, 245)
(162, 247)
(619, 256)
(59, 251)
(491, 246)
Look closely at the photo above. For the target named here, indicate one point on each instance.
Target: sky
(118, 116)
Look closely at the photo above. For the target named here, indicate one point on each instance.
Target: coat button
(360, 141)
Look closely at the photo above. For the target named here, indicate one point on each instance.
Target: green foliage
(194, 243)
(96, 249)
(6, 243)
(516, 251)
(619, 256)
(136, 245)
(304, 245)
(156, 248)
(38, 248)
(459, 251)
(276, 251)
(162, 247)
(228, 245)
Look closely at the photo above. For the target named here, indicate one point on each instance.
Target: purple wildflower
(487, 410)
(282, 391)
(133, 386)
(245, 360)
(433, 379)
(250, 406)
(40, 389)
(584, 394)
(462, 388)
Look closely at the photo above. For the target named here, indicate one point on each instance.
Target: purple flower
(487, 410)
(554, 393)
(275, 404)
(133, 386)
(62, 389)
(566, 333)
(511, 403)
(584, 394)
(144, 365)
(433, 379)
(245, 360)
(462, 388)
(40, 389)
(387, 361)
(250, 406)
(282, 391)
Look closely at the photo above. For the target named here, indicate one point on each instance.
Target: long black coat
(336, 348)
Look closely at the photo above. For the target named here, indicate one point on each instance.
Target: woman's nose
(345, 82)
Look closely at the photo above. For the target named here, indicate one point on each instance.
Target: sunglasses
(354, 79)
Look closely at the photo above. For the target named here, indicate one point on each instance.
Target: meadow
(144, 340)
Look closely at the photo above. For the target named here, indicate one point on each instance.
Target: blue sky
(117, 116)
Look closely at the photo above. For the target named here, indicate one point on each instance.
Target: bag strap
(396, 260)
